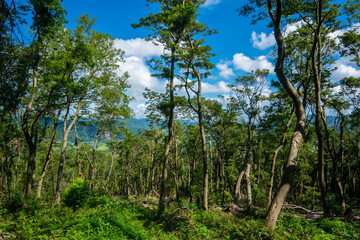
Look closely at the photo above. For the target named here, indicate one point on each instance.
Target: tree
(321, 13)
(196, 64)
(92, 75)
(248, 95)
(48, 18)
(169, 27)
(276, 14)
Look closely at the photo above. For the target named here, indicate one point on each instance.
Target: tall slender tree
(169, 28)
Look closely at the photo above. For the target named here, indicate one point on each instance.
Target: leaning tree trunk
(48, 155)
(282, 142)
(66, 131)
(30, 134)
(297, 137)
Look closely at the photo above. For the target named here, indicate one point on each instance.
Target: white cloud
(140, 77)
(138, 109)
(219, 87)
(335, 35)
(136, 51)
(262, 41)
(292, 27)
(247, 64)
(343, 71)
(225, 71)
(139, 47)
(209, 3)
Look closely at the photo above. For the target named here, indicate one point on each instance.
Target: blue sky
(239, 46)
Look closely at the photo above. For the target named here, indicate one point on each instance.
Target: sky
(239, 46)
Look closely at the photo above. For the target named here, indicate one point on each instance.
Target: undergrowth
(105, 218)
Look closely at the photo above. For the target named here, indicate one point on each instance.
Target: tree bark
(316, 66)
(273, 164)
(48, 155)
(163, 189)
(297, 138)
(66, 131)
(244, 166)
(248, 183)
(176, 172)
(30, 134)
(203, 143)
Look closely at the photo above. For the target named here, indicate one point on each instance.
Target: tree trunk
(66, 131)
(203, 146)
(92, 169)
(248, 183)
(163, 189)
(336, 172)
(30, 172)
(30, 134)
(282, 141)
(316, 66)
(48, 155)
(176, 172)
(211, 167)
(297, 138)
(60, 169)
(245, 164)
(111, 167)
(205, 164)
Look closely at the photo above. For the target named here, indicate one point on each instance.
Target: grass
(104, 218)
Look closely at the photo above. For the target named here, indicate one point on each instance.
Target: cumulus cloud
(219, 87)
(247, 64)
(343, 71)
(140, 77)
(262, 41)
(139, 47)
(225, 71)
(335, 35)
(209, 3)
(292, 27)
(136, 51)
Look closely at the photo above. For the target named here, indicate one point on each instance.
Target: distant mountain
(136, 125)
(87, 132)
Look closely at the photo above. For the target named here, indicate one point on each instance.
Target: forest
(277, 158)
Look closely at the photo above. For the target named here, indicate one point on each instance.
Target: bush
(77, 194)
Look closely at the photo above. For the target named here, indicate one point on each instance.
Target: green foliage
(77, 194)
(340, 228)
(15, 203)
(106, 218)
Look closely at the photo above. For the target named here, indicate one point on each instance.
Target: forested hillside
(87, 131)
(276, 155)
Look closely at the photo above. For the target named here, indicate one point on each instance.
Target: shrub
(77, 194)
